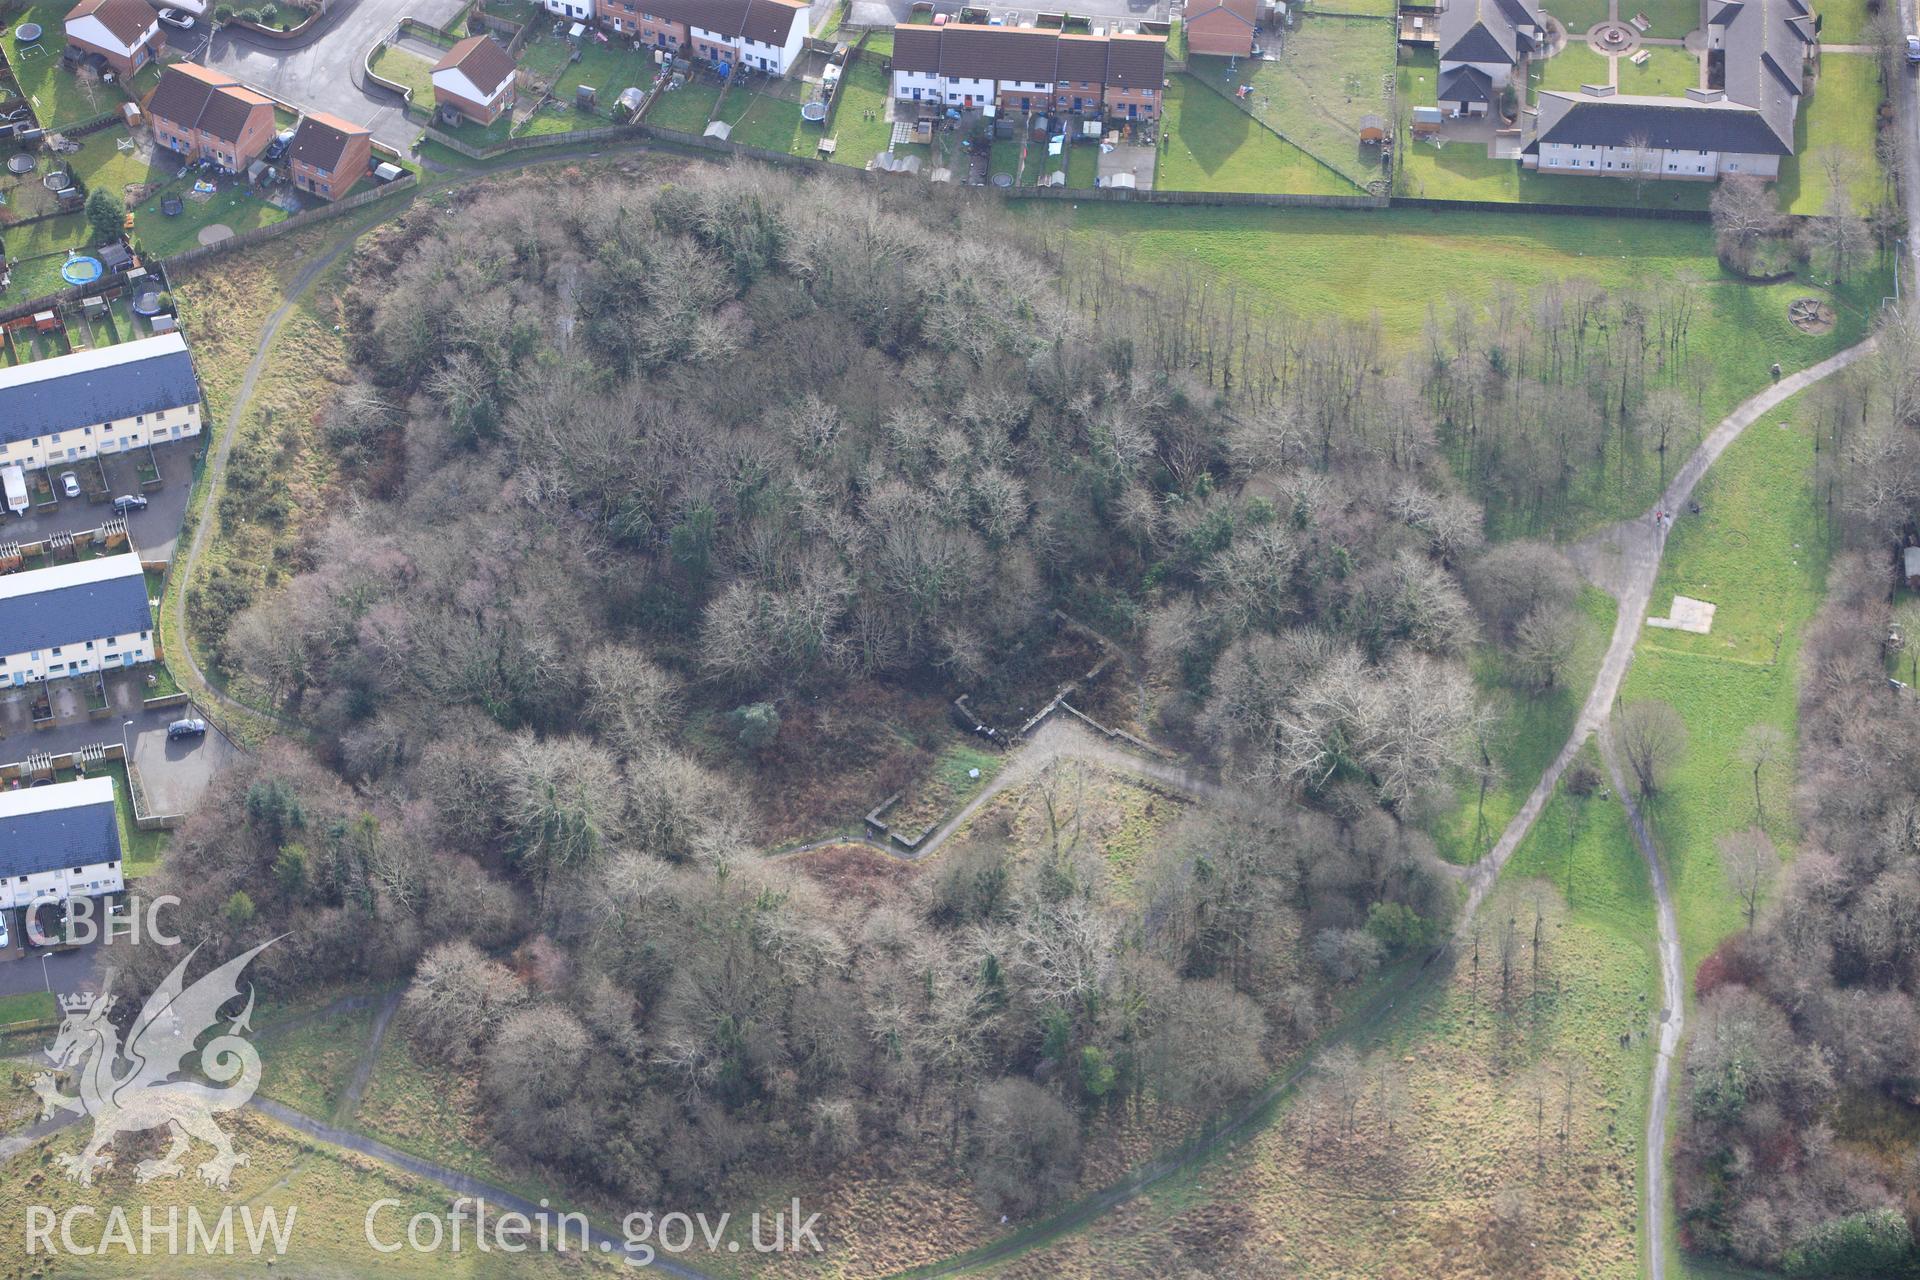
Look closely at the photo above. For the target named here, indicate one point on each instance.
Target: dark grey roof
(97, 386)
(1486, 30)
(1663, 123)
(1465, 84)
(1766, 43)
(69, 615)
(76, 836)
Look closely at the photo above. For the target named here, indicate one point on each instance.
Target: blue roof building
(70, 619)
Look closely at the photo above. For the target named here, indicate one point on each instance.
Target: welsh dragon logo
(145, 1095)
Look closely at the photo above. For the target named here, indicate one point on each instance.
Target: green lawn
(28, 1006)
(1005, 158)
(1844, 21)
(1209, 144)
(1578, 16)
(1463, 171)
(1671, 19)
(687, 108)
(408, 70)
(1083, 165)
(773, 124)
(1758, 551)
(1390, 266)
(1529, 731)
(59, 97)
(859, 126)
(1573, 66)
(1668, 72)
(1838, 117)
(609, 68)
(38, 250)
(1332, 72)
(308, 1065)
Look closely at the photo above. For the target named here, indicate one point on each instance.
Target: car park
(186, 729)
(70, 484)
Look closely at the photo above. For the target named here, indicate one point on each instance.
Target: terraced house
(762, 35)
(1020, 69)
(1744, 124)
(101, 401)
(56, 843)
(72, 619)
(208, 115)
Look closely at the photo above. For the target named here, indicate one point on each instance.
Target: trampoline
(147, 304)
(21, 163)
(813, 112)
(80, 269)
(27, 32)
(56, 181)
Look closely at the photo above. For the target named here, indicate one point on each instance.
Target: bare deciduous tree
(1749, 861)
(1653, 738)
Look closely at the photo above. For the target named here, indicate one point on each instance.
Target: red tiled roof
(128, 20)
(480, 60)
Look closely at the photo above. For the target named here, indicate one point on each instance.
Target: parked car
(186, 729)
(175, 18)
(70, 484)
(129, 502)
(1913, 48)
(278, 147)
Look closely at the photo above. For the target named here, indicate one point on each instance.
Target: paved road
(1906, 100)
(326, 69)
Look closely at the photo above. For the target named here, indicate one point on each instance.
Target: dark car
(129, 502)
(278, 147)
(187, 729)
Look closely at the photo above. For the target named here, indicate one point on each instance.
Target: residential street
(326, 69)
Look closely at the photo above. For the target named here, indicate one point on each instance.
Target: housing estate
(1019, 69)
(474, 79)
(1744, 124)
(1222, 28)
(125, 34)
(329, 156)
(206, 114)
(1481, 44)
(74, 619)
(56, 843)
(101, 401)
(765, 35)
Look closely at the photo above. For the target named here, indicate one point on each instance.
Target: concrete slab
(1686, 614)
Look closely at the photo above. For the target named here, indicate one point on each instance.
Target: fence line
(305, 218)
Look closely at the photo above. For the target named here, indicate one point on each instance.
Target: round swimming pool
(81, 269)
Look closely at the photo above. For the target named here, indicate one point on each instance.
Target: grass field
(1475, 1085)
(1668, 72)
(1837, 118)
(408, 70)
(1578, 16)
(1209, 144)
(1758, 551)
(1386, 266)
(1573, 66)
(1083, 164)
(609, 68)
(1531, 729)
(1844, 22)
(687, 108)
(308, 1065)
(1671, 19)
(1330, 73)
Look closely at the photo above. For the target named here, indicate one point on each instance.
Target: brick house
(475, 79)
(1019, 69)
(765, 35)
(126, 33)
(329, 155)
(204, 114)
(1222, 28)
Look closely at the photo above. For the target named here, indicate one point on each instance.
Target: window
(55, 651)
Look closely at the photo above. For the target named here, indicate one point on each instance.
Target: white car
(177, 19)
(70, 484)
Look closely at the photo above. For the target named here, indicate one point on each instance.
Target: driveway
(155, 531)
(326, 69)
(175, 772)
